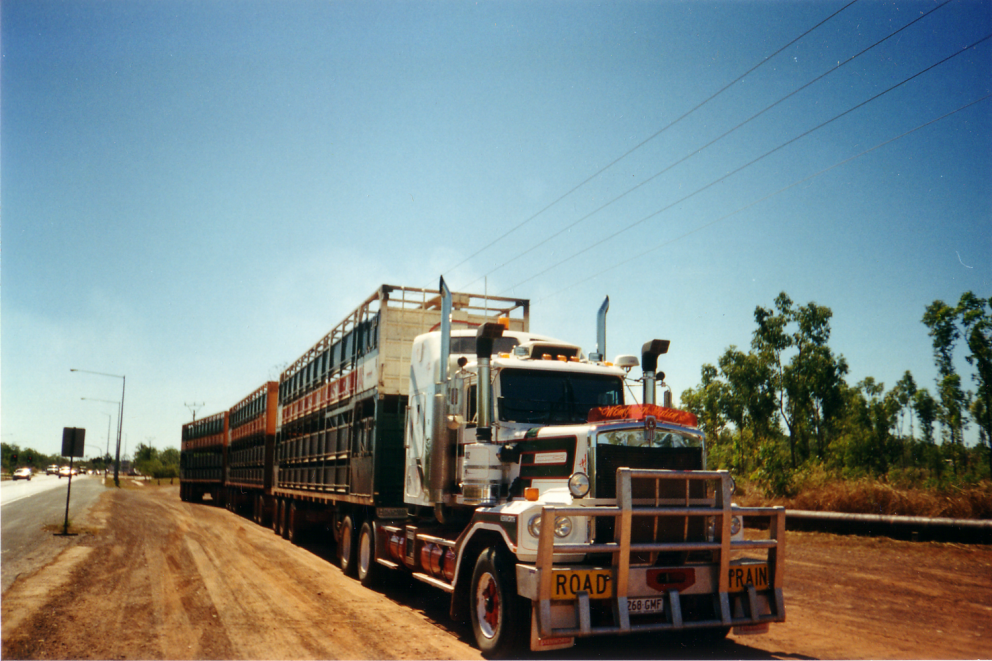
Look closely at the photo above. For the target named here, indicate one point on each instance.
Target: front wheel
(499, 615)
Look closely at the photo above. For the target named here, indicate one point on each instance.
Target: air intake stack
(649, 363)
(483, 351)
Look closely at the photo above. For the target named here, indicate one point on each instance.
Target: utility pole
(193, 408)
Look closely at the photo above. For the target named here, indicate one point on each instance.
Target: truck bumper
(648, 608)
(730, 591)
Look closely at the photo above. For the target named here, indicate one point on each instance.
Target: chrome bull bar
(718, 507)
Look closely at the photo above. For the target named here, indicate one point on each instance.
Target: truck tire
(347, 547)
(284, 523)
(369, 571)
(292, 521)
(499, 616)
(283, 506)
(263, 511)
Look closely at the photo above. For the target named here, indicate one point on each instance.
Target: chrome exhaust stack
(649, 363)
(441, 460)
(599, 355)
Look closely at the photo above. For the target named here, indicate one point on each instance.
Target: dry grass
(130, 482)
(867, 496)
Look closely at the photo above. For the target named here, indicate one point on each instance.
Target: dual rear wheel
(369, 571)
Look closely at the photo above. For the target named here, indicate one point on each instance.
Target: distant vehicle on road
(23, 474)
(64, 472)
(52, 470)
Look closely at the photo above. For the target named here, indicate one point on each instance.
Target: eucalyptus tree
(926, 409)
(748, 398)
(806, 376)
(904, 392)
(976, 317)
(706, 402)
(941, 319)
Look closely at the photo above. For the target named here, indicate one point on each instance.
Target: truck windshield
(554, 398)
(663, 438)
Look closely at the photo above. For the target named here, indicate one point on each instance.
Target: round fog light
(735, 525)
(578, 485)
(534, 525)
(563, 526)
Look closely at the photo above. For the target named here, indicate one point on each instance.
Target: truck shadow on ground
(662, 646)
(402, 589)
(433, 605)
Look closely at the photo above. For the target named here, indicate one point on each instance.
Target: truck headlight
(736, 523)
(563, 526)
(578, 485)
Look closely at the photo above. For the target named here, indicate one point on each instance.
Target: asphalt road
(30, 513)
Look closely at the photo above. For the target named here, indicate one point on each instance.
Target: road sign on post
(73, 442)
(73, 445)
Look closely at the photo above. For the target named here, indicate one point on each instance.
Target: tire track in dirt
(167, 579)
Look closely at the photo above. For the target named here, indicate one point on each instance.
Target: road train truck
(432, 433)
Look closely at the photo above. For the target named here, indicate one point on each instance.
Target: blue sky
(195, 192)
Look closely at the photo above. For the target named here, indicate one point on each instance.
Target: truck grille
(648, 528)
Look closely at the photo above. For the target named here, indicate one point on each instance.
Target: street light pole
(109, 416)
(120, 420)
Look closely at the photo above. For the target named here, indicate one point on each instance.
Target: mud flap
(547, 644)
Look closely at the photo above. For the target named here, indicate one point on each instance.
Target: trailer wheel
(292, 534)
(369, 571)
(263, 518)
(347, 547)
(498, 613)
(284, 519)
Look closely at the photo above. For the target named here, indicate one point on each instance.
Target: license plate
(568, 583)
(741, 576)
(645, 605)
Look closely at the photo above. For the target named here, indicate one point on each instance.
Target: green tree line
(784, 405)
(147, 459)
(155, 463)
(14, 456)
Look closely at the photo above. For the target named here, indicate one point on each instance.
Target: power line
(746, 165)
(707, 145)
(645, 141)
(762, 199)
(194, 407)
